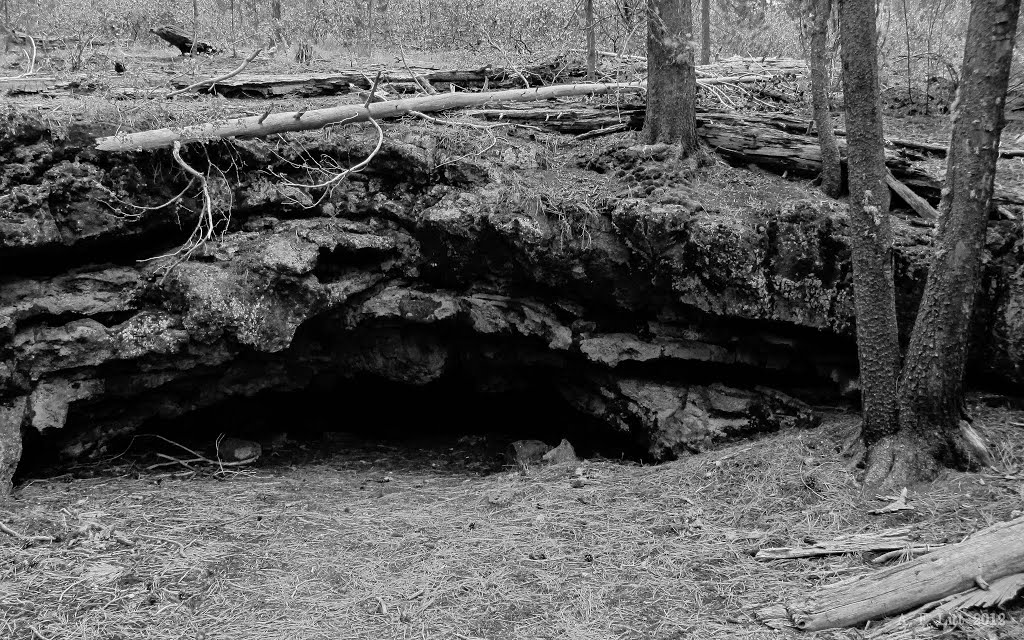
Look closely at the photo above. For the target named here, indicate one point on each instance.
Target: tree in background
(588, 11)
(815, 20)
(931, 388)
(878, 348)
(705, 31)
(671, 78)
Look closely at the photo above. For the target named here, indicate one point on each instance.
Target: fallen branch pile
(558, 70)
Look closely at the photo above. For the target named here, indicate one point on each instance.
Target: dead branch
(259, 126)
(203, 83)
(20, 536)
(420, 80)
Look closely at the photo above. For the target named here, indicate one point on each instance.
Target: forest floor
(363, 538)
(431, 539)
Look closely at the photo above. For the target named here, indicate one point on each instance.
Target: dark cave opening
(449, 425)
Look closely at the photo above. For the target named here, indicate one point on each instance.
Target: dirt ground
(355, 538)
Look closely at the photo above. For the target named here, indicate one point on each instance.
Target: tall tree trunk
(195, 27)
(276, 15)
(871, 235)
(588, 10)
(671, 79)
(931, 390)
(817, 14)
(705, 31)
(369, 28)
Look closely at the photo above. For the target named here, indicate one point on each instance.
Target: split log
(259, 126)
(732, 71)
(178, 38)
(249, 85)
(986, 556)
(879, 542)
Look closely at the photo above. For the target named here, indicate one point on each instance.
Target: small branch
(20, 536)
(373, 90)
(418, 79)
(237, 70)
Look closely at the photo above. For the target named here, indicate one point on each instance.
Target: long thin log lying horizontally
(259, 126)
(984, 557)
(731, 71)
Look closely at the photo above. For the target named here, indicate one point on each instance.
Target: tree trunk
(870, 231)
(588, 9)
(705, 31)
(817, 12)
(671, 80)
(931, 390)
(369, 28)
(276, 15)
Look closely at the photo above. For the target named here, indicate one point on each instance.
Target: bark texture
(817, 14)
(871, 233)
(931, 390)
(671, 79)
(983, 558)
(705, 31)
(588, 11)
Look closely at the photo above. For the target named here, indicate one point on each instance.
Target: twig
(37, 633)
(373, 90)
(20, 536)
(419, 80)
(237, 70)
(198, 456)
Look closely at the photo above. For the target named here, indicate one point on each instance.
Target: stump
(177, 38)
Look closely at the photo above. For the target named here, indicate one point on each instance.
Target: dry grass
(365, 544)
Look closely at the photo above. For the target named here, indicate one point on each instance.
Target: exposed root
(205, 224)
(326, 173)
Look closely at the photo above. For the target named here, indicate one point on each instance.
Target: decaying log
(732, 71)
(878, 542)
(177, 38)
(765, 140)
(258, 126)
(983, 558)
(920, 206)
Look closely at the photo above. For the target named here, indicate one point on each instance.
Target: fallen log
(920, 206)
(983, 558)
(341, 82)
(878, 542)
(764, 140)
(178, 38)
(265, 125)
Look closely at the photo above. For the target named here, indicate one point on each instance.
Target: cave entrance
(448, 425)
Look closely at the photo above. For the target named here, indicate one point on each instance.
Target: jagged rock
(238, 449)
(564, 453)
(526, 452)
(12, 416)
(663, 321)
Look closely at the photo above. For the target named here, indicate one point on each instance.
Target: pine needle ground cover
(365, 539)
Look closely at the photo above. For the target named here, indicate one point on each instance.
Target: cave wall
(658, 316)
